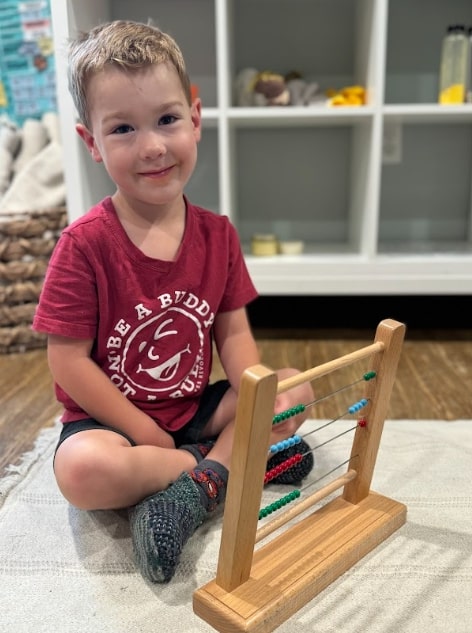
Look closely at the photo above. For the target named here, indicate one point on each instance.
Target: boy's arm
(82, 379)
(237, 348)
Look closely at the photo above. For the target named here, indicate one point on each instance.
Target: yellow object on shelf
(452, 95)
(347, 96)
(264, 244)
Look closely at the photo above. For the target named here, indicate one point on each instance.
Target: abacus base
(295, 566)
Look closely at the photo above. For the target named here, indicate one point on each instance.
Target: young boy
(137, 291)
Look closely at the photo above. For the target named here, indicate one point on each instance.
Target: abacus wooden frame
(256, 590)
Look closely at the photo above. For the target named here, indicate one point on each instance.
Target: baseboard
(359, 312)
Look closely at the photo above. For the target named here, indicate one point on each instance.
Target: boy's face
(144, 132)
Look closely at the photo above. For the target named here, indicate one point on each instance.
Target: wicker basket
(26, 243)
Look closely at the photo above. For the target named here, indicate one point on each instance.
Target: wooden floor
(434, 380)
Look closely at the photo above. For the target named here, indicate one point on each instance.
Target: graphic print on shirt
(164, 354)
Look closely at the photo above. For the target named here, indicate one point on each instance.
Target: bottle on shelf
(454, 65)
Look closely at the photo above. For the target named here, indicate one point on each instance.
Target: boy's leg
(162, 524)
(99, 469)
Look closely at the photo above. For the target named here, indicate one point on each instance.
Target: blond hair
(125, 44)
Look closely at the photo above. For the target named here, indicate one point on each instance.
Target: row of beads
(281, 446)
(281, 468)
(289, 413)
(279, 504)
(357, 406)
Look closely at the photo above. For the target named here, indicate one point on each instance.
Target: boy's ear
(196, 114)
(89, 141)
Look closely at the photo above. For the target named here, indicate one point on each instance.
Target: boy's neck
(157, 231)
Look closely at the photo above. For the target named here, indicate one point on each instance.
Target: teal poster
(27, 69)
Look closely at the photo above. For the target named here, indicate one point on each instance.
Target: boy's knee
(75, 472)
(303, 392)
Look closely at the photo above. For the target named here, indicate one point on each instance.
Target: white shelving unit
(380, 194)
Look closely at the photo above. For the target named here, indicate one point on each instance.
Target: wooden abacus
(256, 590)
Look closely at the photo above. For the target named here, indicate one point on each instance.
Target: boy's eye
(122, 129)
(167, 119)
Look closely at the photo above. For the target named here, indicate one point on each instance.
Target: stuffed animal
(304, 93)
(267, 88)
(270, 89)
(243, 87)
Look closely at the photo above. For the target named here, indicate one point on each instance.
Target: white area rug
(67, 571)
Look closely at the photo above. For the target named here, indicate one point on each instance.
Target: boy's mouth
(155, 173)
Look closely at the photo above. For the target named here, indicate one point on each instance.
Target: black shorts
(188, 434)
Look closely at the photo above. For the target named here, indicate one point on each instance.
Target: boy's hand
(146, 432)
(288, 427)
(300, 395)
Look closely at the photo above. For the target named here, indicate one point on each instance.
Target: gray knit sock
(200, 449)
(212, 479)
(162, 524)
(296, 473)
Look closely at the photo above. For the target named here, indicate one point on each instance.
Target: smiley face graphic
(162, 352)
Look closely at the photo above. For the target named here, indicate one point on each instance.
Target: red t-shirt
(151, 320)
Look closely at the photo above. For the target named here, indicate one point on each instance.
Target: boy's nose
(152, 144)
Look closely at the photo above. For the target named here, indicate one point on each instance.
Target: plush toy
(267, 88)
(243, 87)
(304, 93)
(270, 89)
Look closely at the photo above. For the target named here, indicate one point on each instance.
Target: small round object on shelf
(264, 244)
(294, 247)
